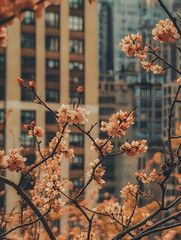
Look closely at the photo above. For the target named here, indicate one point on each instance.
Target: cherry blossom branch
(152, 229)
(30, 203)
(44, 159)
(90, 226)
(173, 19)
(24, 225)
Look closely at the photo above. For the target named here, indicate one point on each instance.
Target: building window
(28, 62)
(76, 140)
(26, 95)
(50, 119)
(2, 92)
(106, 99)
(26, 140)
(49, 137)
(76, 23)
(52, 19)
(77, 80)
(106, 111)
(76, 4)
(2, 115)
(28, 76)
(52, 63)
(29, 18)
(77, 162)
(77, 183)
(52, 43)
(28, 40)
(74, 97)
(52, 95)
(76, 66)
(52, 78)
(76, 46)
(27, 117)
(2, 59)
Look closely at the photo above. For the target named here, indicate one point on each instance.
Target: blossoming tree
(110, 219)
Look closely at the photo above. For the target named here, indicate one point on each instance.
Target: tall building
(59, 52)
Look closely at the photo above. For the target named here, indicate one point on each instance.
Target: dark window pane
(77, 162)
(50, 119)
(52, 78)
(28, 76)
(52, 95)
(28, 62)
(49, 137)
(26, 95)
(27, 117)
(74, 96)
(27, 40)
(2, 92)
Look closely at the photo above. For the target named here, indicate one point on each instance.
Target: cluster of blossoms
(130, 48)
(154, 176)
(46, 192)
(13, 161)
(76, 116)
(107, 147)
(99, 172)
(83, 236)
(114, 209)
(61, 149)
(165, 31)
(128, 190)
(34, 131)
(134, 148)
(150, 66)
(118, 124)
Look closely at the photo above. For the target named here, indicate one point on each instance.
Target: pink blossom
(134, 148)
(106, 149)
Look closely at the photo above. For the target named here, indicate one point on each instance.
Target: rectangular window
(106, 111)
(106, 99)
(29, 18)
(52, 95)
(52, 19)
(27, 117)
(52, 43)
(28, 76)
(76, 140)
(2, 115)
(28, 40)
(26, 140)
(49, 137)
(2, 59)
(28, 62)
(74, 96)
(26, 95)
(76, 46)
(50, 119)
(52, 78)
(2, 92)
(76, 66)
(77, 162)
(52, 63)
(76, 4)
(76, 23)
(77, 183)
(77, 80)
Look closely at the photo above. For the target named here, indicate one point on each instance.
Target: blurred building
(59, 52)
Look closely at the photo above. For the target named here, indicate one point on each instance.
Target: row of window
(52, 44)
